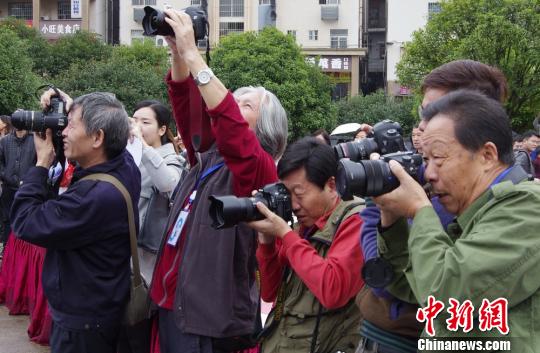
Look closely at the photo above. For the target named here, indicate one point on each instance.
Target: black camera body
(374, 178)
(387, 138)
(154, 22)
(54, 118)
(227, 211)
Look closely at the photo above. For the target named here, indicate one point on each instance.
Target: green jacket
(492, 251)
(338, 329)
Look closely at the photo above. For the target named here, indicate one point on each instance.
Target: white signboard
(76, 9)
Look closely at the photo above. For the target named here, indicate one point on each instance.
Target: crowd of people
(68, 260)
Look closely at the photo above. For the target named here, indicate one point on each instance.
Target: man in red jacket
(313, 272)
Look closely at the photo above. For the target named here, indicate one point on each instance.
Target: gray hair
(271, 128)
(102, 111)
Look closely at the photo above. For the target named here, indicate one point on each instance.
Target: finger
(174, 16)
(48, 134)
(398, 170)
(374, 156)
(264, 210)
(254, 192)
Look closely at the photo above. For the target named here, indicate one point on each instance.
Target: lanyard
(206, 173)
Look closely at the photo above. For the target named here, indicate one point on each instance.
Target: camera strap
(184, 213)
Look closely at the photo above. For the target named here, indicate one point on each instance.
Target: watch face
(204, 77)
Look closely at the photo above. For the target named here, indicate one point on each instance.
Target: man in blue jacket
(86, 273)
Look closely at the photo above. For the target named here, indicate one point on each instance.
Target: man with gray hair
(86, 273)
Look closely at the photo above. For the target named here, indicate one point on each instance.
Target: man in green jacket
(490, 252)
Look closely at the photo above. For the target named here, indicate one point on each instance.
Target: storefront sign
(55, 29)
(331, 63)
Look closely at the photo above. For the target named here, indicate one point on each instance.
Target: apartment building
(56, 18)
(403, 19)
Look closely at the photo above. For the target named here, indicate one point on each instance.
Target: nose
(430, 173)
(64, 132)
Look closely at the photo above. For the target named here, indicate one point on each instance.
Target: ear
(99, 139)
(162, 130)
(330, 184)
(490, 153)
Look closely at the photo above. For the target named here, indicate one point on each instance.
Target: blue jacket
(86, 273)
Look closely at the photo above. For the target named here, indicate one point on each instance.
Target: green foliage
(17, 82)
(502, 33)
(145, 53)
(38, 49)
(273, 60)
(129, 80)
(375, 107)
(81, 47)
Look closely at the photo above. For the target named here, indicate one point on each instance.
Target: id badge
(178, 226)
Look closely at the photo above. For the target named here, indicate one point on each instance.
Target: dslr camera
(374, 178)
(386, 139)
(54, 117)
(227, 211)
(154, 22)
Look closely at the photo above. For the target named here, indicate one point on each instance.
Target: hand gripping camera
(227, 211)
(154, 22)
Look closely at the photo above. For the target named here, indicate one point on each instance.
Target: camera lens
(154, 23)
(27, 120)
(356, 150)
(227, 211)
(365, 178)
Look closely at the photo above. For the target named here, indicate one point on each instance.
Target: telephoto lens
(374, 178)
(154, 23)
(55, 118)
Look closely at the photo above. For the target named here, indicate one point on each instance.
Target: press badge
(181, 221)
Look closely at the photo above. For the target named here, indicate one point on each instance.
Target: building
(402, 22)
(329, 31)
(56, 18)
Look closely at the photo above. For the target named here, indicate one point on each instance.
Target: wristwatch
(203, 77)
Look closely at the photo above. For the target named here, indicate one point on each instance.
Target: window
(314, 35)
(230, 27)
(329, 2)
(64, 10)
(433, 8)
(143, 2)
(195, 2)
(231, 8)
(292, 32)
(20, 10)
(265, 2)
(338, 38)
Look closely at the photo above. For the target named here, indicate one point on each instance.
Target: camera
(154, 22)
(374, 178)
(54, 118)
(227, 211)
(386, 139)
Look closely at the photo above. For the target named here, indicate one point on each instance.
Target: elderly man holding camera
(312, 273)
(491, 251)
(86, 273)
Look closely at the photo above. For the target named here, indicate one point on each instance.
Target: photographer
(490, 251)
(86, 273)
(204, 282)
(313, 272)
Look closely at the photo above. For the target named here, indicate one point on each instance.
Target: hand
(44, 149)
(45, 100)
(404, 201)
(171, 42)
(272, 225)
(136, 132)
(184, 36)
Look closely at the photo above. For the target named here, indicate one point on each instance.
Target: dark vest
(339, 328)
(216, 294)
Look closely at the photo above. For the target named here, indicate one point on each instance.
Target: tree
(81, 47)
(273, 60)
(17, 82)
(375, 107)
(130, 81)
(38, 49)
(505, 34)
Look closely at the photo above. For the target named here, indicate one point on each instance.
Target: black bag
(155, 222)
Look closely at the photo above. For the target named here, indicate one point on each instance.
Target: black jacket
(86, 273)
